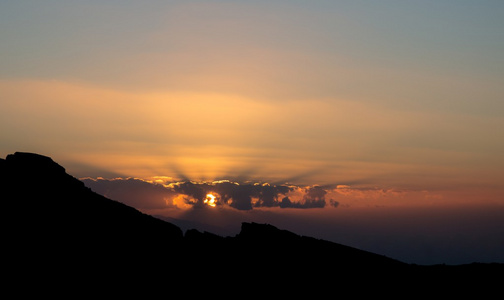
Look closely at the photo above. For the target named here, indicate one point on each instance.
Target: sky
(311, 107)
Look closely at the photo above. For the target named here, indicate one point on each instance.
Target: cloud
(334, 203)
(235, 195)
(144, 194)
(196, 192)
(238, 196)
(313, 197)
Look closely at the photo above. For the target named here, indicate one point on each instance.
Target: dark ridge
(53, 224)
(51, 211)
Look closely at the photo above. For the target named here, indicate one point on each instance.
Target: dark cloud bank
(245, 196)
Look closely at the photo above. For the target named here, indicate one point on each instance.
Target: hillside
(53, 222)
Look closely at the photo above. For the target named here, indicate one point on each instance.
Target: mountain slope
(53, 222)
(52, 214)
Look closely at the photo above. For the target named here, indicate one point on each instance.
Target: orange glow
(179, 201)
(210, 200)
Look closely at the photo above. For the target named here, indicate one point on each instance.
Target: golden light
(210, 200)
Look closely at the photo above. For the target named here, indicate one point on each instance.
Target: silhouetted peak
(23, 163)
(30, 174)
(48, 206)
(33, 162)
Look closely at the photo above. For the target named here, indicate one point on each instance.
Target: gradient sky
(397, 102)
(392, 94)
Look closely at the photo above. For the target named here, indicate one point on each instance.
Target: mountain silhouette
(53, 222)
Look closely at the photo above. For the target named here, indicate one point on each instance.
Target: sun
(210, 200)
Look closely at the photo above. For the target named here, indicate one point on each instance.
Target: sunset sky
(380, 103)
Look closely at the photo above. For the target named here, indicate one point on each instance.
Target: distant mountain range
(53, 224)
